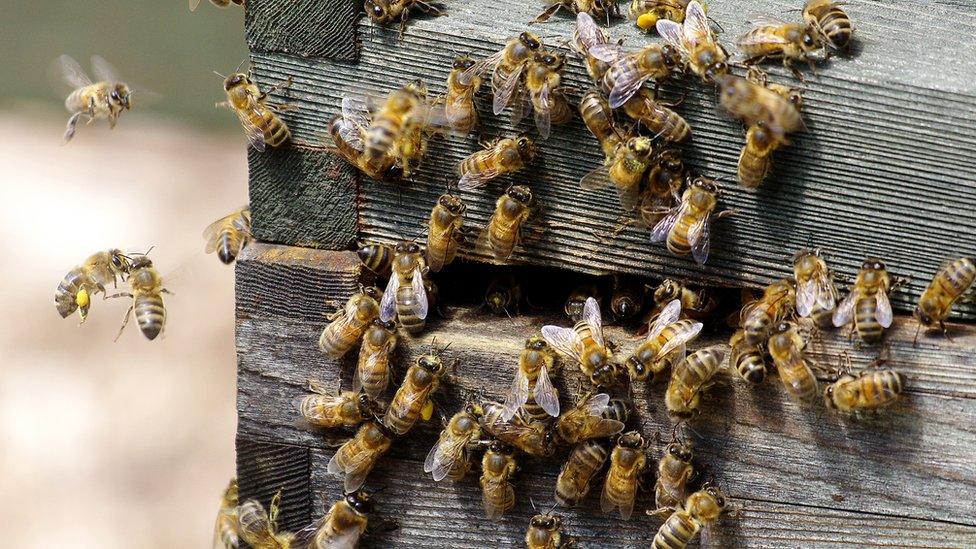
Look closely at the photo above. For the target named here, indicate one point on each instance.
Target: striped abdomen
(866, 319)
(879, 388)
(341, 335)
(461, 467)
(956, 278)
(755, 159)
(616, 409)
(532, 410)
(502, 236)
(375, 379)
(230, 241)
(678, 243)
(677, 532)
(748, 359)
(66, 296)
(620, 487)
(275, 131)
(619, 68)
(150, 313)
(757, 325)
(406, 307)
(407, 405)
(585, 461)
(762, 41)
(659, 119)
(381, 137)
(477, 162)
(798, 378)
(835, 24)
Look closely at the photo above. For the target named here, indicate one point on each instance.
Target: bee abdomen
(616, 409)
(275, 131)
(502, 240)
(750, 365)
(678, 237)
(837, 27)
(959, 277)
(402, 416)
(676, 533)
(405, 305)
(865, 319)
(756, 327)
(880, 388)
(379, 377)
(338, 338)
(65, 297)
(753, 167)
(230, 246)
(150, 314)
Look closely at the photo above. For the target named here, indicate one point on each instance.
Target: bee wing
(103, 70)
(696, 28)
(587, 32)
(491, 511)
(750, 39)
(591, 314)
(355, 470)
(443, 456)
(545, 393)
(595, 405)
(388, 302)
(669, 314)
(883, 314)
(700, 238)
(543, 112)
(505, 90)
(475, 179)
(479, 67)
(564, 340)
(368, 362)
(517, 396)
(671, 32)
(236, 219)
(419, 293)
(660, 232)
(845, 311)
(596, 179)
(255, 136)
(607, 52)
(625, 88)
(679, 340)
(356, 111)
(72, 73)
(347, 539)
(352, 135)
(629, 196)
(806, 296)
(520, 104)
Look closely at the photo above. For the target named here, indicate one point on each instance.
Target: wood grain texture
(895, 472)
(264, 468)
(302, 197)
(885, 169)
(304, 27)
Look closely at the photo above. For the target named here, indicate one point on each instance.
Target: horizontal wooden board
(304, 27)
(265, 468)
(886, 168)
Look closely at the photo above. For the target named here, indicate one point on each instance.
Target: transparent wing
(591, 314)
(607, 52)
(491, 511)
(596, 179)
(234, 219)
(625, 87)
(696, 27)
(355, 111)
(103, 70)
(806, 296)
(883, 314)
(660, 232)
(680, 339)
(595, 405)
(671, 32)
(352, 135)
(517, 396)
(564, 340)
(72, 72)
(475, 180)
(194, 4)
(505, 90)
(845, 311)
(419, 293)
(750, 39)
(827, 294)
(521, 103)
(543, 112)
(445, 456)
(254, 134)
(629, 196)
(367, 366)
(388, 302)
(669, 314)
(588, 33)
(545, 393)
(700, 238)
(355, 470)
(479, 67)
(347, 539)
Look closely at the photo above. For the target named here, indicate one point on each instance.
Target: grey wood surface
(264, 468)
(805, 477)
(304, 27)
(885, 168)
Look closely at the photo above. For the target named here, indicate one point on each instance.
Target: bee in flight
(258, 116)
(701, 53)
(532, 380)
(688, 228)
(831, 22)
(599, 9)
(219, 3)
(326, 409)
(147, 298)
(816, 295)
(227, 529)
(646, 13)
(405, 297)
(756, 105)
(384, 12)
(500, 157)
(74, 293)
(584, 344)
(665, 343)
(867, 304)
(107, 98)
(348, 133)
(450, 457)
(952, 283)
(229, 234)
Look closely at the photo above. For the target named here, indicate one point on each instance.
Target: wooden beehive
(885, 169)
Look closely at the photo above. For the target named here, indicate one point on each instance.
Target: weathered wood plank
(889, 135)
(304, 27)
(264, 468)
(302, 197)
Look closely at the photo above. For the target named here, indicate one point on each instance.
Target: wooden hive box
(885, 169)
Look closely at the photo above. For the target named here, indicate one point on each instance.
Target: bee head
(235, 80)
(475, 410)
(525, 146)
(552, 61)
(520, 194)
(360, 501)
(631, 440)
(431, 363)
(636, 366)
(717, 495)
(120, 95)
(545, 522)
(680, 452)
(704, 184)
(829, 397)
(377, 11)
(536, 343)
(452, 203)
(809, 40)
(120, 262)
(873, 264)
(530, 41)
(463, 63)
(670, 55)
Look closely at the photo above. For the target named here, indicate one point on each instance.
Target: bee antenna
(531, 501)
(220, 75)
(241, 65)
(551, 509)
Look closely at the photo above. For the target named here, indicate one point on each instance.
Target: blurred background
(124, 444)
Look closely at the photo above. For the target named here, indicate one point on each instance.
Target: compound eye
(378, 11)
(720, 501)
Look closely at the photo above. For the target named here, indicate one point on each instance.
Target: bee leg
(724, 213)
(429, 8)
(69, 132)
(285, 107)
(125, 322)
(222, 105)
(660, 511)
(547, 13)
(120, 294)
(91, 109)
(403, 23)
(277, 86)
(796, 72)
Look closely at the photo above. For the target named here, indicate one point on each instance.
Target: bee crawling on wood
(953, 282)
(257, 115)
(693, 516)
(831, 22)
(545, 532)
(790, 42)
(701, 53)
(868, 390)
(687, 228)
(598, 9)
(867, 305)
(384, 12)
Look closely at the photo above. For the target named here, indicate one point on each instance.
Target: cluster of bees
(638, 134)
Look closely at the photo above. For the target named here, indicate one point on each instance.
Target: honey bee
(584, 344)
(498, 466)
(757, 105)
(344, 523)
(787, 41)
(954, 279)
(674, 470)
(756, 158)
(532, 380)
(664, 182)
(701, 53)
(348, 133)
(577, 300)
(869, 390)
(504, 295)
(598, 117)
(646, 13)
(377, 258)
(357, 457)
(259, 528)
(107, 98)
(749, 360)
(444, 231)
(628, 73)
(450, 457)
(147, 298)
(326, 409)
(459, 108)
(504, 229)
(226, 527)
(229, 234)
(761, 316)
(75, 291)
(594, 416)
(816, 295)
(219, 3)
(384, 12)
(257, 115)
(696, 514)
(586, 35)
(399, 129)
(544, 532)
(373, 367)
(688, 379)
(543, 78)
(507, 66)
(656, 116)
(349, 323)
(626, 298)
(786, 349)
(694, 303)
(533, 438)
(831, 22)
(585, 461)
(625, 169)
(503, 156)
(687, 228)
(665, 343)
(412, 399)
(867, 303)
(627, 463)
(600, 9)
(405, 297)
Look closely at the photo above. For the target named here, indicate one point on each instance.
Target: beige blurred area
(104, 444)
